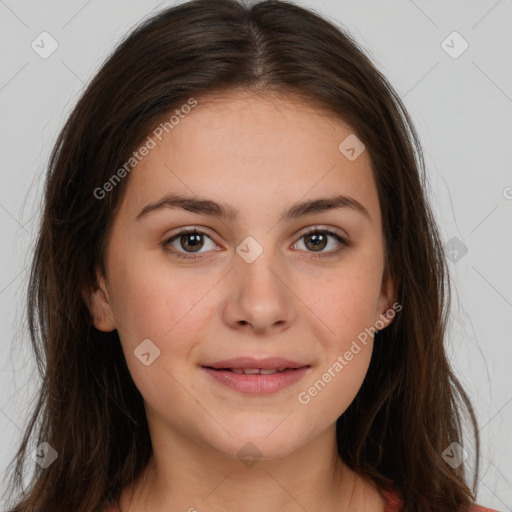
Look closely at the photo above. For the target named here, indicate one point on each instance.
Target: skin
(259, 154)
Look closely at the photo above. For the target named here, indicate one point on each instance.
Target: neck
(188, 476)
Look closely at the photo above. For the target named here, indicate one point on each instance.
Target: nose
(259, 299)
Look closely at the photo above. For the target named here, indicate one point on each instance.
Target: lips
(254, 376)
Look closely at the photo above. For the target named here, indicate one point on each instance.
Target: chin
(258, 444)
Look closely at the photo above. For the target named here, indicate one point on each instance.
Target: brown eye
(316, 240)
(191, 241)
(187, 242)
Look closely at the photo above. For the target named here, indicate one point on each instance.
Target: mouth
(255, 380)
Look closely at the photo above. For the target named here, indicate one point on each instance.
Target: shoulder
(394, 502)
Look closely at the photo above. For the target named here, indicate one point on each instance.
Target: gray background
(462, 108)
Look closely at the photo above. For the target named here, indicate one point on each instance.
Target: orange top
(394, 503)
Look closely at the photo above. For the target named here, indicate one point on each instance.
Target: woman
(238, 292)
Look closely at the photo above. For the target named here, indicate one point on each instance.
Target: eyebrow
(224, 211)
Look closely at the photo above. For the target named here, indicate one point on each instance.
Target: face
(253, 283)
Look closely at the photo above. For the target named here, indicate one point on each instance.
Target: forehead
(242, 147)
(260, 126)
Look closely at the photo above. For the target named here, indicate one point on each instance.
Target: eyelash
(187, 256)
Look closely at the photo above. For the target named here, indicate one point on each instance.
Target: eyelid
(323, 228)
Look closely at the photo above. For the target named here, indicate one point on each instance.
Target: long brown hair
(410, 407)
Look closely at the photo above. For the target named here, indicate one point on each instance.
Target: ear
(98, 302)
(387, 304)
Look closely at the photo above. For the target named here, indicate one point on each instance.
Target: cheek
(344, 348)
(346, 303)
(144, 307)
(168, 307)
(346, 306)
(151, 300)
(149, 306)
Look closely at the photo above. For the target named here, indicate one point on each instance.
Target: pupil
(317, 240)
(190, 236)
